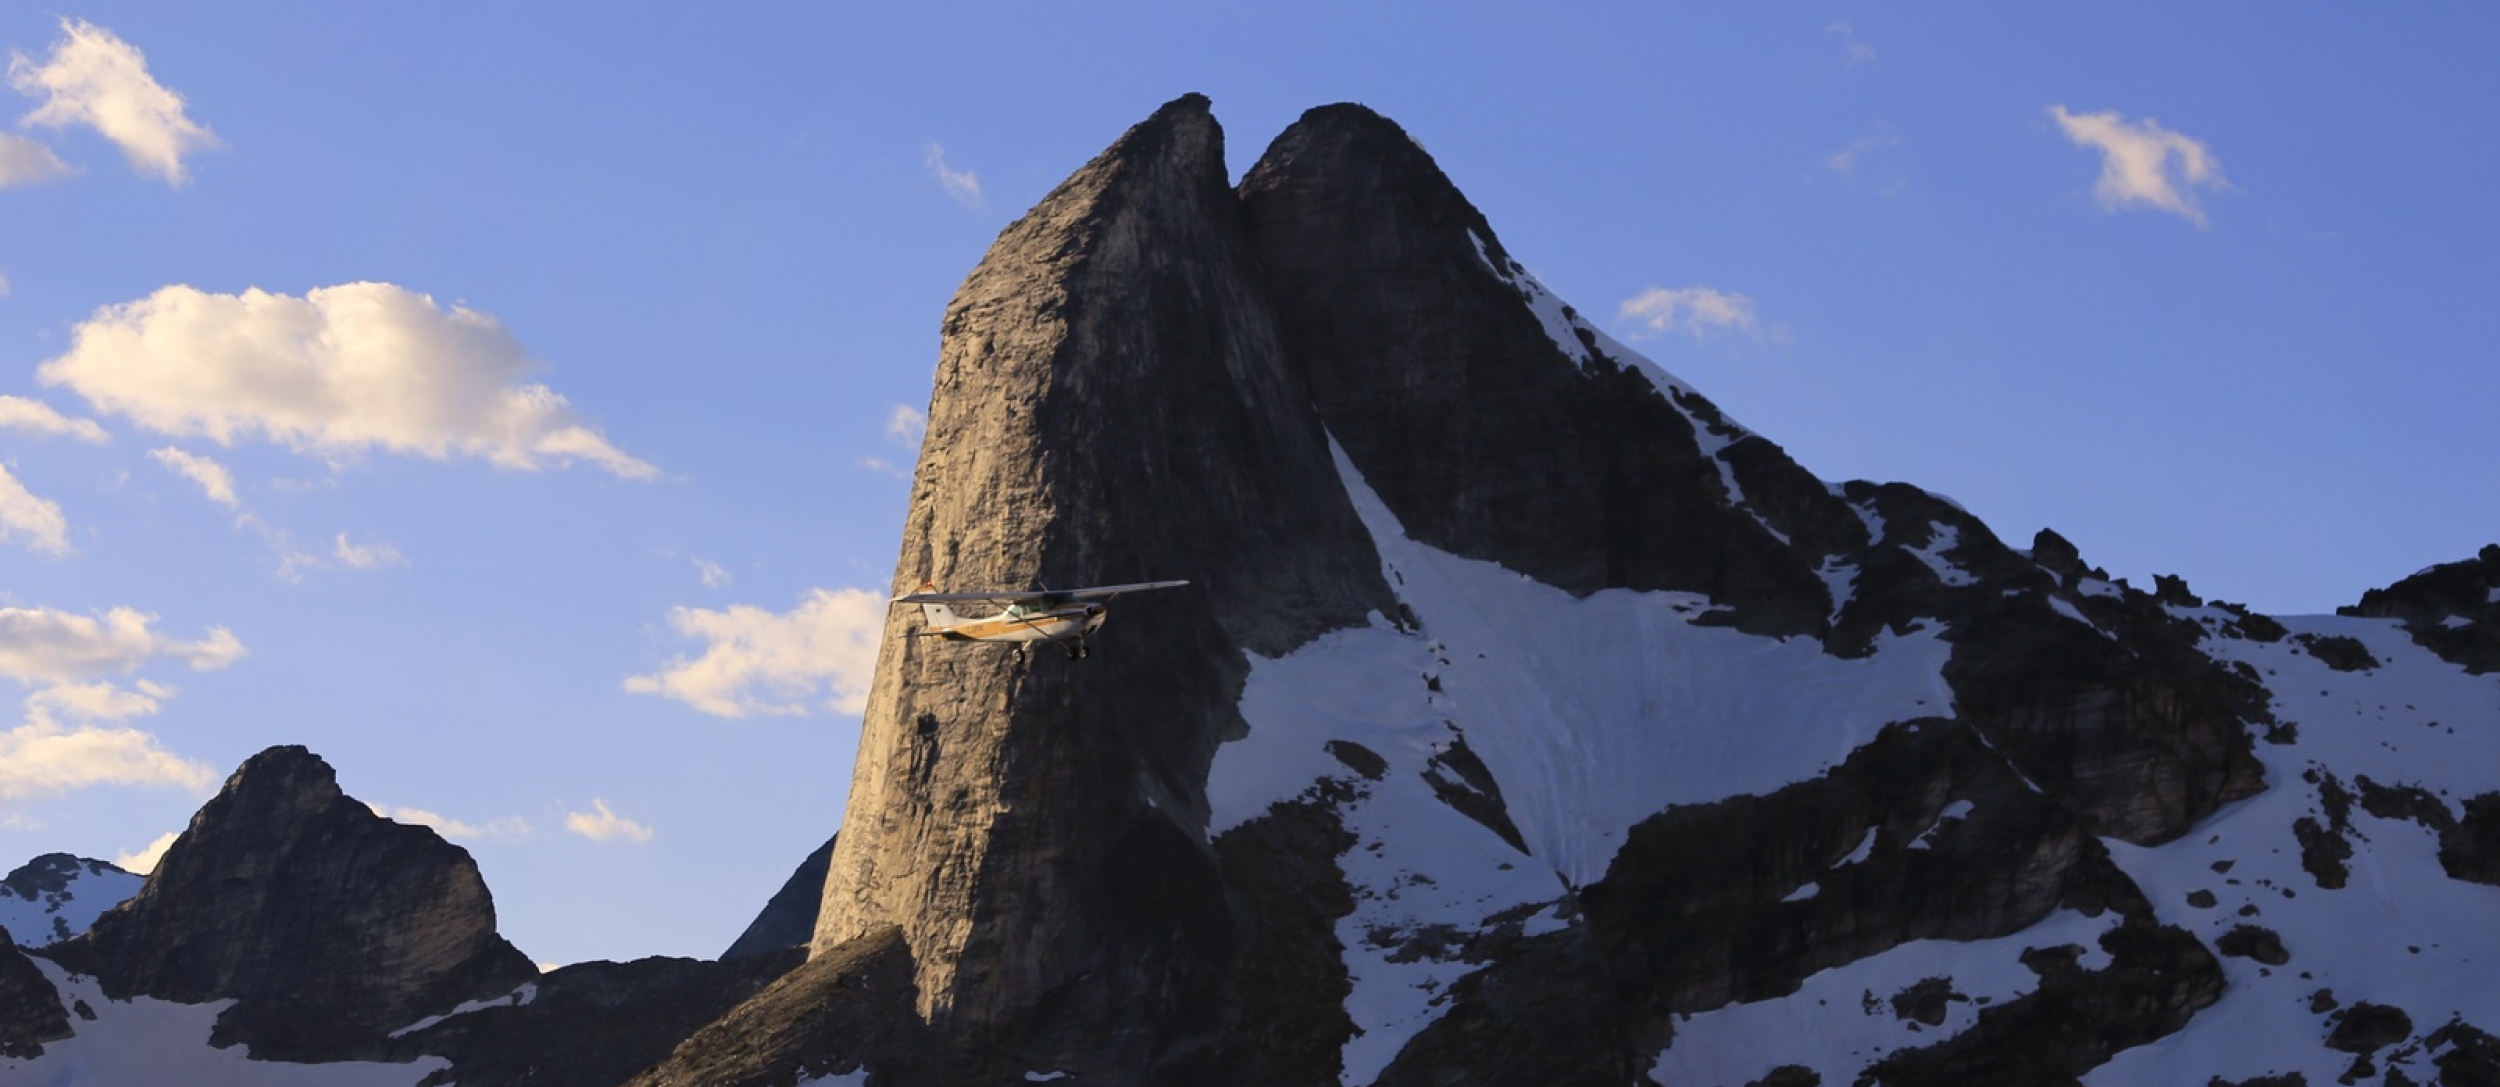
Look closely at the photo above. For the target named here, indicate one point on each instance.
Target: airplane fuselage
(1014, 625)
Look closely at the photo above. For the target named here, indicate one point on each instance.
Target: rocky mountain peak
(1493, 420)
(1034, 826)
(328, 924)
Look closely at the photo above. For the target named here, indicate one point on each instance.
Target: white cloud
(38, 418)
(714, 577)
(144, 861)
(963, 185)
(72, 737)
(1859, 51)
(94, 78)
(44, 646)
(372, 556)
(601, 824)
(26, 162)
(212, 477)
(340, 370)
(506, 829)
(48, 756)
(2144, 163)
(821, 654)
(34, 519)
(98, 701)
(1692, 310)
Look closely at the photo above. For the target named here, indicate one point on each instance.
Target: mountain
(1530, 720)
(1526, 720)
(56, 896)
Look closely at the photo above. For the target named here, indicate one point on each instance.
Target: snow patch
(519, 997)
(1866, 848)
(1805, 893)
(1944, 538)
(1952, 813)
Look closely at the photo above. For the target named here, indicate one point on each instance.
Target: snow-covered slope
(143, 1041)
(56, 896)
(2339, 931)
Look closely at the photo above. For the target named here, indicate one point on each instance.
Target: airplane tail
(938, 616)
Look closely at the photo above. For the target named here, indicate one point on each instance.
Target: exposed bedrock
(2452, 609)
(1406, 316)
(327, 924)
(1111, 405)
(1923, 834)
(30, 1008)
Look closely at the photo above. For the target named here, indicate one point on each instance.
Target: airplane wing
(1026, 596)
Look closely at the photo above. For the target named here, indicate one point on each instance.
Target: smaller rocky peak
(2452, 609)
(789, 918)
(56, 896)
(328, 925)
(2060, 556)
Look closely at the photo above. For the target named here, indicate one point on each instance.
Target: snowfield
(143, 1041)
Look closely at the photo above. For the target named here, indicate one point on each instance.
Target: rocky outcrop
(593, 1024)
(2452, 609)
(30, 1008)
(1112, 404)
(789, 918)
(328, 925)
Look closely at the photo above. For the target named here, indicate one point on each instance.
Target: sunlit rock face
(1112, 405)
(327, 924)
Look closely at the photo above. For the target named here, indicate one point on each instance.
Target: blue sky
(510, 402)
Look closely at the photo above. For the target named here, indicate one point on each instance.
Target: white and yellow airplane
(1064, 616)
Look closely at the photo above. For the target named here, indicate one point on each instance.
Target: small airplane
(1064, 616)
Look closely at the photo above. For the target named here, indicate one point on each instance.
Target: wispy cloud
(94, 78)
(30, 518)
(602, 824)
(338, 371)
(1859, 51)
(821, 654)
(1694, 311)
(512, 828)
(2144, 163)
(906, 426)
(1846, 161)
(714, 577)
(963, 185)
(25, 162)
(40, 419)
(366, 556)
(211, 477)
